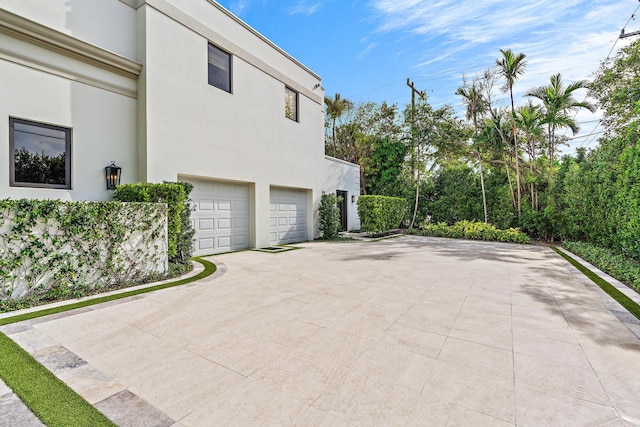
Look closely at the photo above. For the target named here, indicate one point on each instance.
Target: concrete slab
(403, 331)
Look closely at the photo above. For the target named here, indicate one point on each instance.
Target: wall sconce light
(112, 173)
(353, 198)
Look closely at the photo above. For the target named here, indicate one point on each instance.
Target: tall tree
(511, 66)
(616, 87)
(559, 104)
(477, 106)
(336, 107)
(530, 121)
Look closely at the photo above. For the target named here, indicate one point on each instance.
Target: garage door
(287, 216)
(220, 217)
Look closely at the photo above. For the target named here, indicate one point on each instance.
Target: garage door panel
(224, 205)
(288, 216)
(204, 244)
(206, 224)
(220, 217)
(204, 205)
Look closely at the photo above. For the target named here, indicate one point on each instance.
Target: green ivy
(379, 214)
(50, 249)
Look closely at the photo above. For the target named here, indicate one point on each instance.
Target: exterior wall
(344, 176)
(92, 21)
(139, 96)
(199, 131)
(48, 77)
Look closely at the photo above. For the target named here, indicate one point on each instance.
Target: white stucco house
(168, 90)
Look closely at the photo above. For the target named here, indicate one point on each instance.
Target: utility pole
(624, 35)
(423, 96)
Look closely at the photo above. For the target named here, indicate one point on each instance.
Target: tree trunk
(515, 150)
(484, 194)
(415, 206)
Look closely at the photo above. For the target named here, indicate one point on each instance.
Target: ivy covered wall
(50, 246)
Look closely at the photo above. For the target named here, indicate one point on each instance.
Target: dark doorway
(342, 205)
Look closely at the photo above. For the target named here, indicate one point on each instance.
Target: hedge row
(623, 269)
(474, 230)
(379, 214)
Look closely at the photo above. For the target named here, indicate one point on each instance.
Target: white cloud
(303, 7)
(239, 6)
(367, 49)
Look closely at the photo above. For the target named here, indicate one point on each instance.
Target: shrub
(379, 214)
(473, 230)
(185, 239)
(329, 216)
(175, 196)
(618, 266)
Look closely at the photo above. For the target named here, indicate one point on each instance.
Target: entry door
(342, 205)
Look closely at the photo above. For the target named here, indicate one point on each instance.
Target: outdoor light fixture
(112, 173)
(353, 198)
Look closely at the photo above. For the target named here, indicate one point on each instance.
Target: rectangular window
(219, 68)
(40, 155)
(290, 104)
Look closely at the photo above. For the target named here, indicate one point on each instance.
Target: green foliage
(53, 249)
(623, 269)
(39, 167)
(379, 214)
(474, 230)
(383, 168)
(185, 239)
(329, 216)
(456, 195)
(617, 87)
(175, 197)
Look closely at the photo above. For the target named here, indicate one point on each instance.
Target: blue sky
(366, 49)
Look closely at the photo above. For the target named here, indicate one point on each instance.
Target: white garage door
(221, 216)
(288, 216)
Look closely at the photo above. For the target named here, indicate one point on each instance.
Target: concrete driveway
(406, 331)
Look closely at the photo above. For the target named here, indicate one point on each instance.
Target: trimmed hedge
(329, 216)
(623, 269)
(175, 195)
(474, 230)
(379, 214)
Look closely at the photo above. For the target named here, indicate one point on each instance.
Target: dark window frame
(12, 155)
(296, 100)
(230, 66)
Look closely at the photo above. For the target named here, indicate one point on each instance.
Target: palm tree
(476, 107)
(530, 121)
(559, 103)
(335, 108)
(511, 66)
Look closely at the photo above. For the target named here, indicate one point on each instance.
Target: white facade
(130, 79)
(344, 177)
